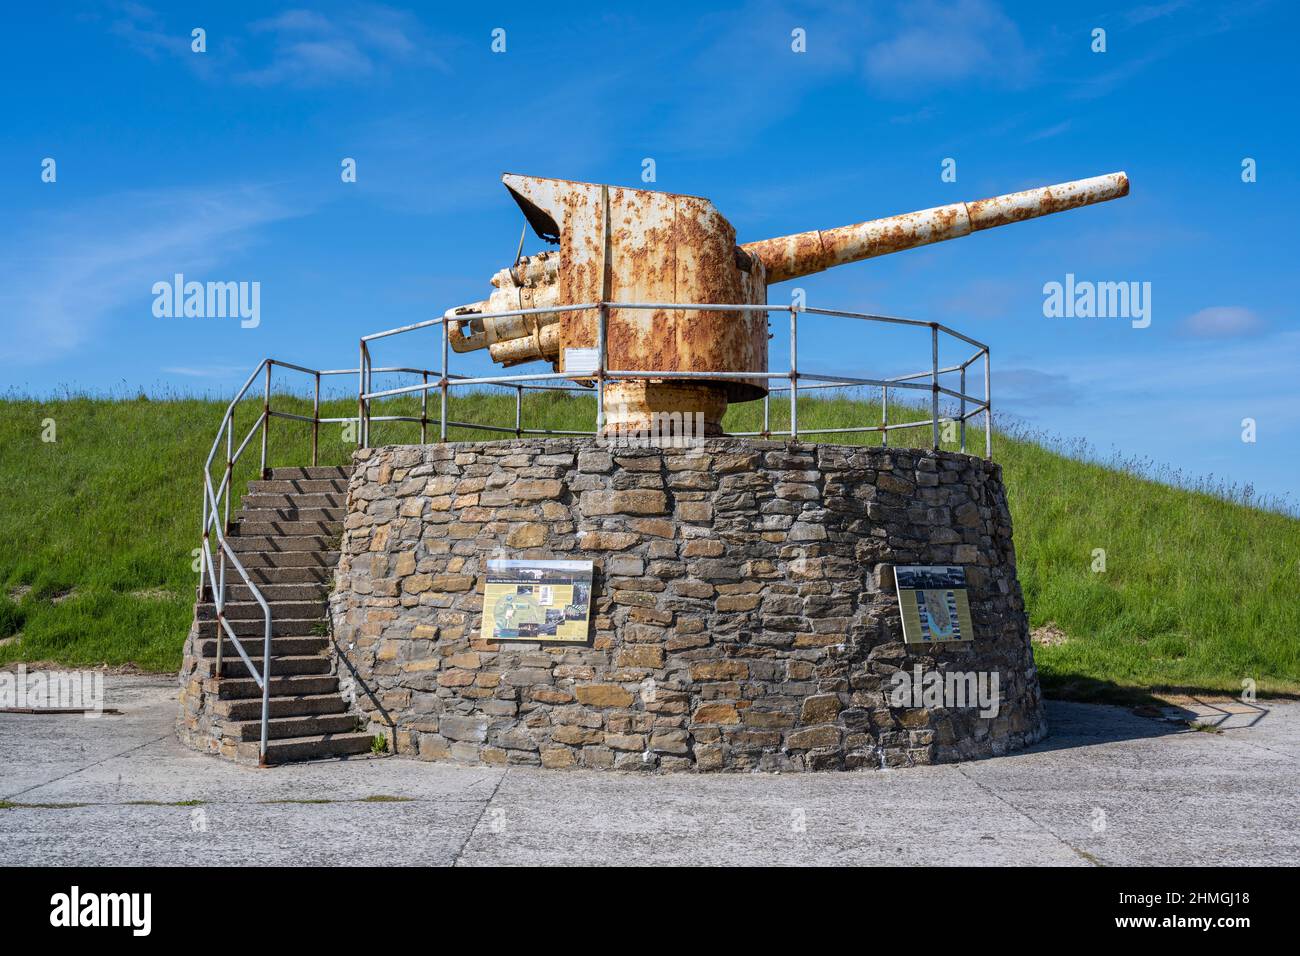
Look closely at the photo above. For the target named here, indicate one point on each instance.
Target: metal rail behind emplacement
(797, 379)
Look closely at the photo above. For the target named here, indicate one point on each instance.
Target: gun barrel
(801, 254)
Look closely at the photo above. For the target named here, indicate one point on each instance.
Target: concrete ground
(1107, 787)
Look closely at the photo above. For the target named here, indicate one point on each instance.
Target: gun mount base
(654, 407)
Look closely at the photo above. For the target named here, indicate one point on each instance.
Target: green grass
(99, 526)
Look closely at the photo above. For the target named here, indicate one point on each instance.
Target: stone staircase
(287, 536)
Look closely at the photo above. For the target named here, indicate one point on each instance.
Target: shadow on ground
(1080, 688)
(1075, 724)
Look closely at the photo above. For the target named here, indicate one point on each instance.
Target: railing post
(767, 414)
(934, 382)
(218, 617)
(963, 409)
(442, 416)
(266, 418)
(519, 411)
(227, 482)
(266, 685)
(884, 416)
(988, 409)
(219, 593)
(205, 560)
(602, 316)
(208, 508)
(794, 373)
(424, 410)
(361, 391)
(370, 387)
(315, 422)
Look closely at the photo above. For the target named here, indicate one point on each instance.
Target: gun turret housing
(636, 245)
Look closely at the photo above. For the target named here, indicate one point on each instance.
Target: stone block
(637, 501)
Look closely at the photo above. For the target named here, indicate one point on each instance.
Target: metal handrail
(970, 405)
(214, 524)
(216, 518)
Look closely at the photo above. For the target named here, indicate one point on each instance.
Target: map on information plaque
(537, 601)
(934, 604)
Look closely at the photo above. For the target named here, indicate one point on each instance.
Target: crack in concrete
(1228, 735)
(460, 851)
(72, 773)
(1082, 854)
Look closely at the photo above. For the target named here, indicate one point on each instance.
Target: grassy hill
(98, 530)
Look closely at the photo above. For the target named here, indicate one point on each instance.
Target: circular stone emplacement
(744, 610)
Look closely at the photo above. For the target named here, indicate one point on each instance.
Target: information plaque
(934, 604)
(537, 601)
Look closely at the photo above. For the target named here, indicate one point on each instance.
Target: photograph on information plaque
(934, 604)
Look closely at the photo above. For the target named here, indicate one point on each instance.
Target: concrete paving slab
(872, 817)
(1140, 796)
(1277, 730)
(1107, 787)
(425, 832)
(40, 748)
(166, 771)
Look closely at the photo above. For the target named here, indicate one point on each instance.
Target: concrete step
(254, 627)
(292, 513)
(314, 560)
(322, 576)
(282, 728)
(291, 706)
(286, 535)
(278, 593)
(232, 665)
(280, 647)
(246, 528)
(299, 486)
(252, 611)
(279, 544)
(330, 500)
(311, 471)
(309, 748)
(241, 688)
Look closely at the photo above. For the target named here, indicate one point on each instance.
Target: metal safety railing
(213, 562)
(969, 406)
(216, 554)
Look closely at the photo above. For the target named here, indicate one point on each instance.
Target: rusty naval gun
(640, 246)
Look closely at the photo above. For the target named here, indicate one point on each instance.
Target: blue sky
(225, 166)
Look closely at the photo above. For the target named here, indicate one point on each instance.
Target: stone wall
(743, 608)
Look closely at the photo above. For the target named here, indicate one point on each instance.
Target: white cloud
(1162, 40)
(311, 63)
(987, 297)
(205, 371)
(65, 273)
(1223, 321)
(296, 48)
(1020, 388)
(1187, 366)
(1179, 402)
(143, 30)
(937, 44)
(1152, 11)
(1051, 131)
(310, 49)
